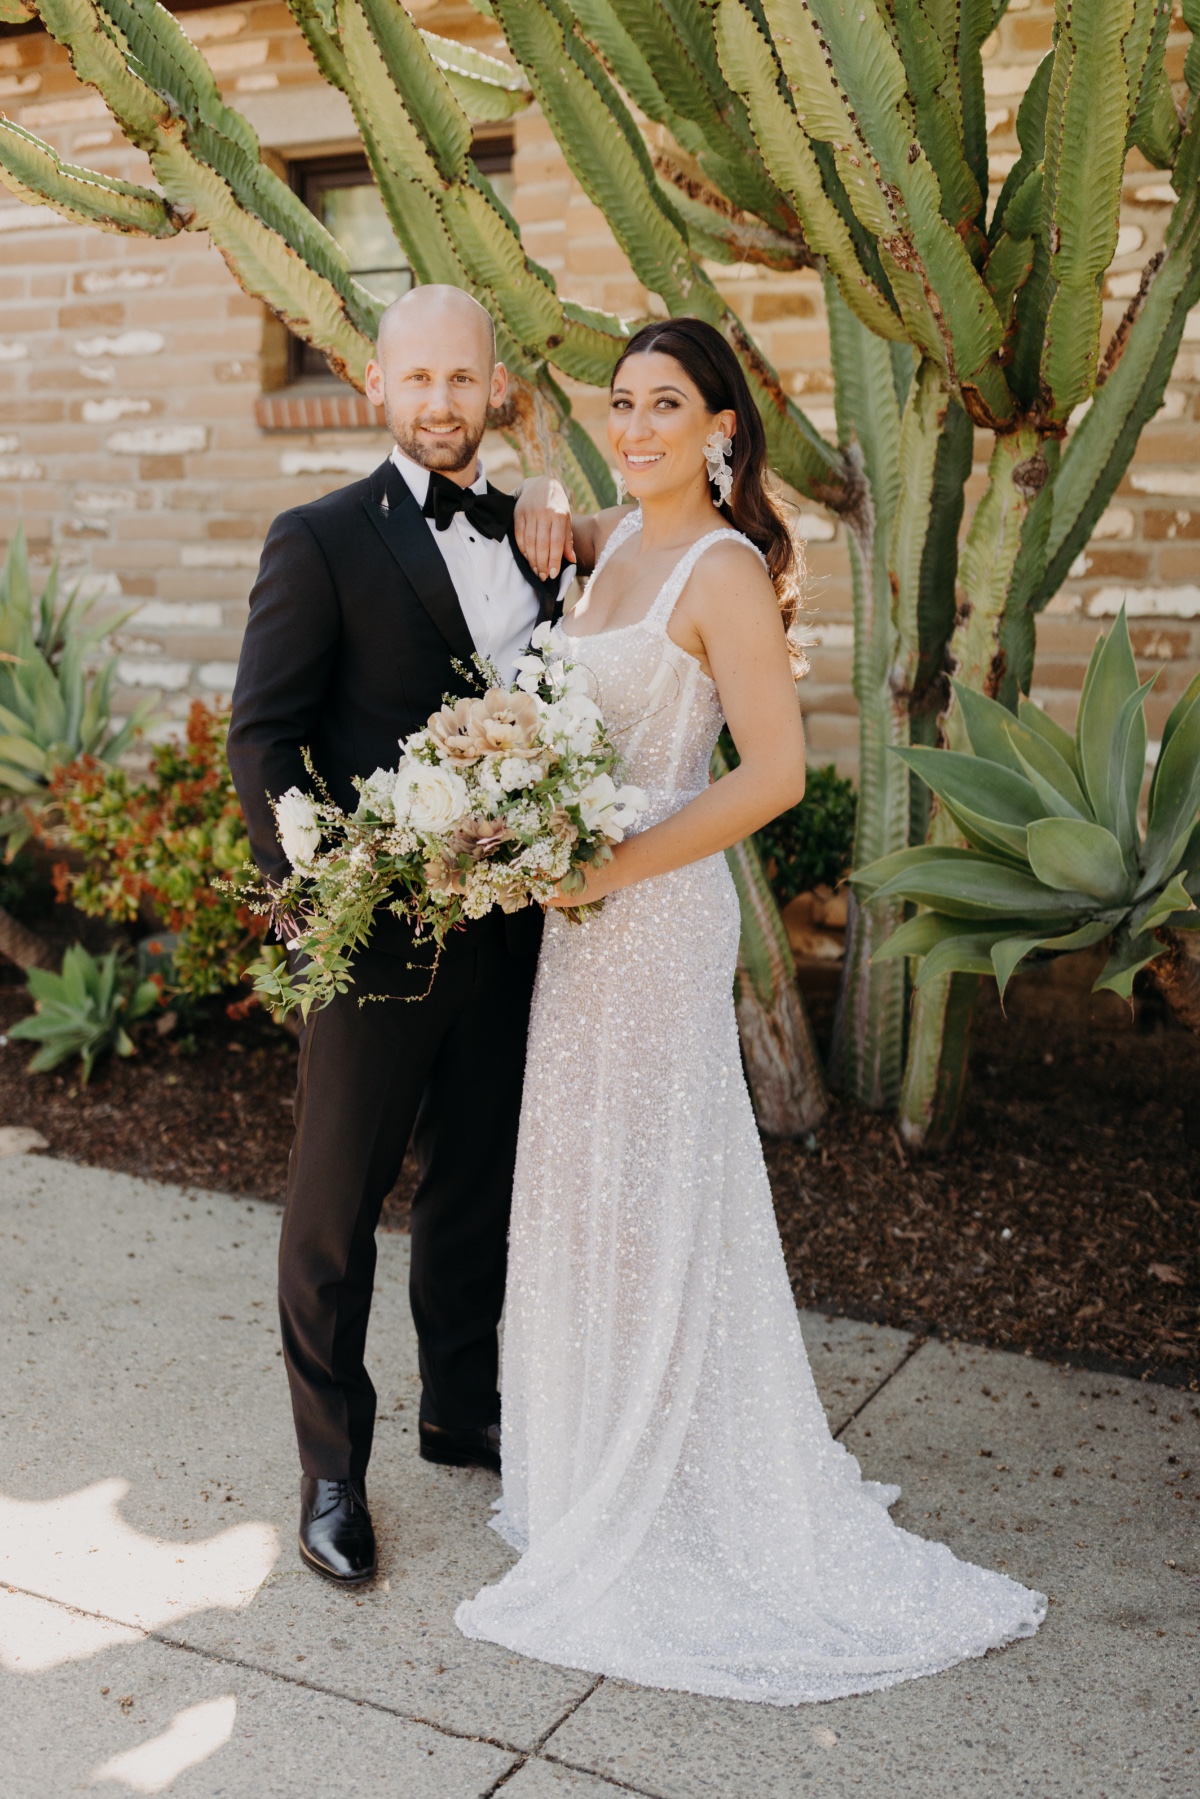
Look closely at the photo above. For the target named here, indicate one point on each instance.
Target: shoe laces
(334, 1492)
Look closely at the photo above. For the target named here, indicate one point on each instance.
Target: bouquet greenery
(503, 800)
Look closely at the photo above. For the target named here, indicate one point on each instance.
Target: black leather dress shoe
(478, 1448)
(336, 1537)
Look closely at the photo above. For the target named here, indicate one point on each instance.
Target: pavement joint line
(508, 1774)
(622, 1786)
(290, 1680)
(388, 1711)
(569, 1713)
(915, 1344)
(351, 1699)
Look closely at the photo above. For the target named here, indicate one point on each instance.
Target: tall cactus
(796, 133)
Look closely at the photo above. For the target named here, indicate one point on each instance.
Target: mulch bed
(1065, 1220)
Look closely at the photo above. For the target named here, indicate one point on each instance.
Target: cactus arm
(1090, 127)
(486, 88)
(666, 62)
(939, 1030)
(16, 12)
(749, 65)
(921, 432)
(977, 20)
(946, 306)
(155, 46)
(868, 1040)
(1011, 258)
(939, 130)
(1154, 129)
(612, 165)
(444, 212)
(725, 233)
(32, 170)
(1031, 135)
(1137, 366)
(262, 260)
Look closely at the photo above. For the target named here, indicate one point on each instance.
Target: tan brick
(1124, 564)
(1178, 562)
(25, 411)
(766, 308)
(92, 315)
(1182, 522)
(161, 468)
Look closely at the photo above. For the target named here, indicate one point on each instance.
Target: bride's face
(657, 425)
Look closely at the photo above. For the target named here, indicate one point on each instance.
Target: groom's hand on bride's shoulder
(542, 525)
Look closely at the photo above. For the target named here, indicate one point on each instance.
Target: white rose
(375, 794)
(429, 799)
(296, 822)
(515, 772)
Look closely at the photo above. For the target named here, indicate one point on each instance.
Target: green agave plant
(83, 1011)
(1057, 859)
(53, 705)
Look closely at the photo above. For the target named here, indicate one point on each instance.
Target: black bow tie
(491, 512)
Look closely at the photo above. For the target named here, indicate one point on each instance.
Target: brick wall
(137, 445)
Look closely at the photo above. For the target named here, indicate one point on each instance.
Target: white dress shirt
(500, 607)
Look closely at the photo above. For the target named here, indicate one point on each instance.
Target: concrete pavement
(157, 1632)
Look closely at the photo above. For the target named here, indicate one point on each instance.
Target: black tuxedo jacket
(354, 630)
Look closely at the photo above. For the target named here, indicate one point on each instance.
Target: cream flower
(574, 721)
(296, 822)
(453, 732)
(430, 799)
(605, 807)
(375, 794)
(517, 771)
(507, 723)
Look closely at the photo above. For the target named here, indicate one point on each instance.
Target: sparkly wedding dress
(684, 1516)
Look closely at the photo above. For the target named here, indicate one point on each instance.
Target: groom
(363, 604)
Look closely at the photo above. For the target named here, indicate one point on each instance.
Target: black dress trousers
(443, 1067)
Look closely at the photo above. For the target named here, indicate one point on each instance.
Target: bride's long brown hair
(707, 359)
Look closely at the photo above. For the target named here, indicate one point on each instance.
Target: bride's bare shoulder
(731, 569)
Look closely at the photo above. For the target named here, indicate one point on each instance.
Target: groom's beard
(456, 453)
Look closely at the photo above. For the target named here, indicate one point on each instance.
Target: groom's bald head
(440, 312)
(435, 374)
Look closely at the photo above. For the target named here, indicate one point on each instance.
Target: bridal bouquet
(502, 800)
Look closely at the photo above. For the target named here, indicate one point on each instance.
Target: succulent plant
(84, 1011)
(1055, 857)
(54, 706)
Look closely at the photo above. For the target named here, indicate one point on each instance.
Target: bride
(685, 1520)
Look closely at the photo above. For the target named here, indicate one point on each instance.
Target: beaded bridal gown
(684, 1516)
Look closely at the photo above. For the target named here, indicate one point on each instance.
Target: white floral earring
(718, 454)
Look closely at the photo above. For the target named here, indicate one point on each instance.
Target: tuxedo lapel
(546, 591)
(401, 524)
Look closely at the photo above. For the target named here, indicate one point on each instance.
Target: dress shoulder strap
(659, 615)
(620, 534)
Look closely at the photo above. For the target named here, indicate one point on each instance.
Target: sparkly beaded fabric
(684, 1517)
